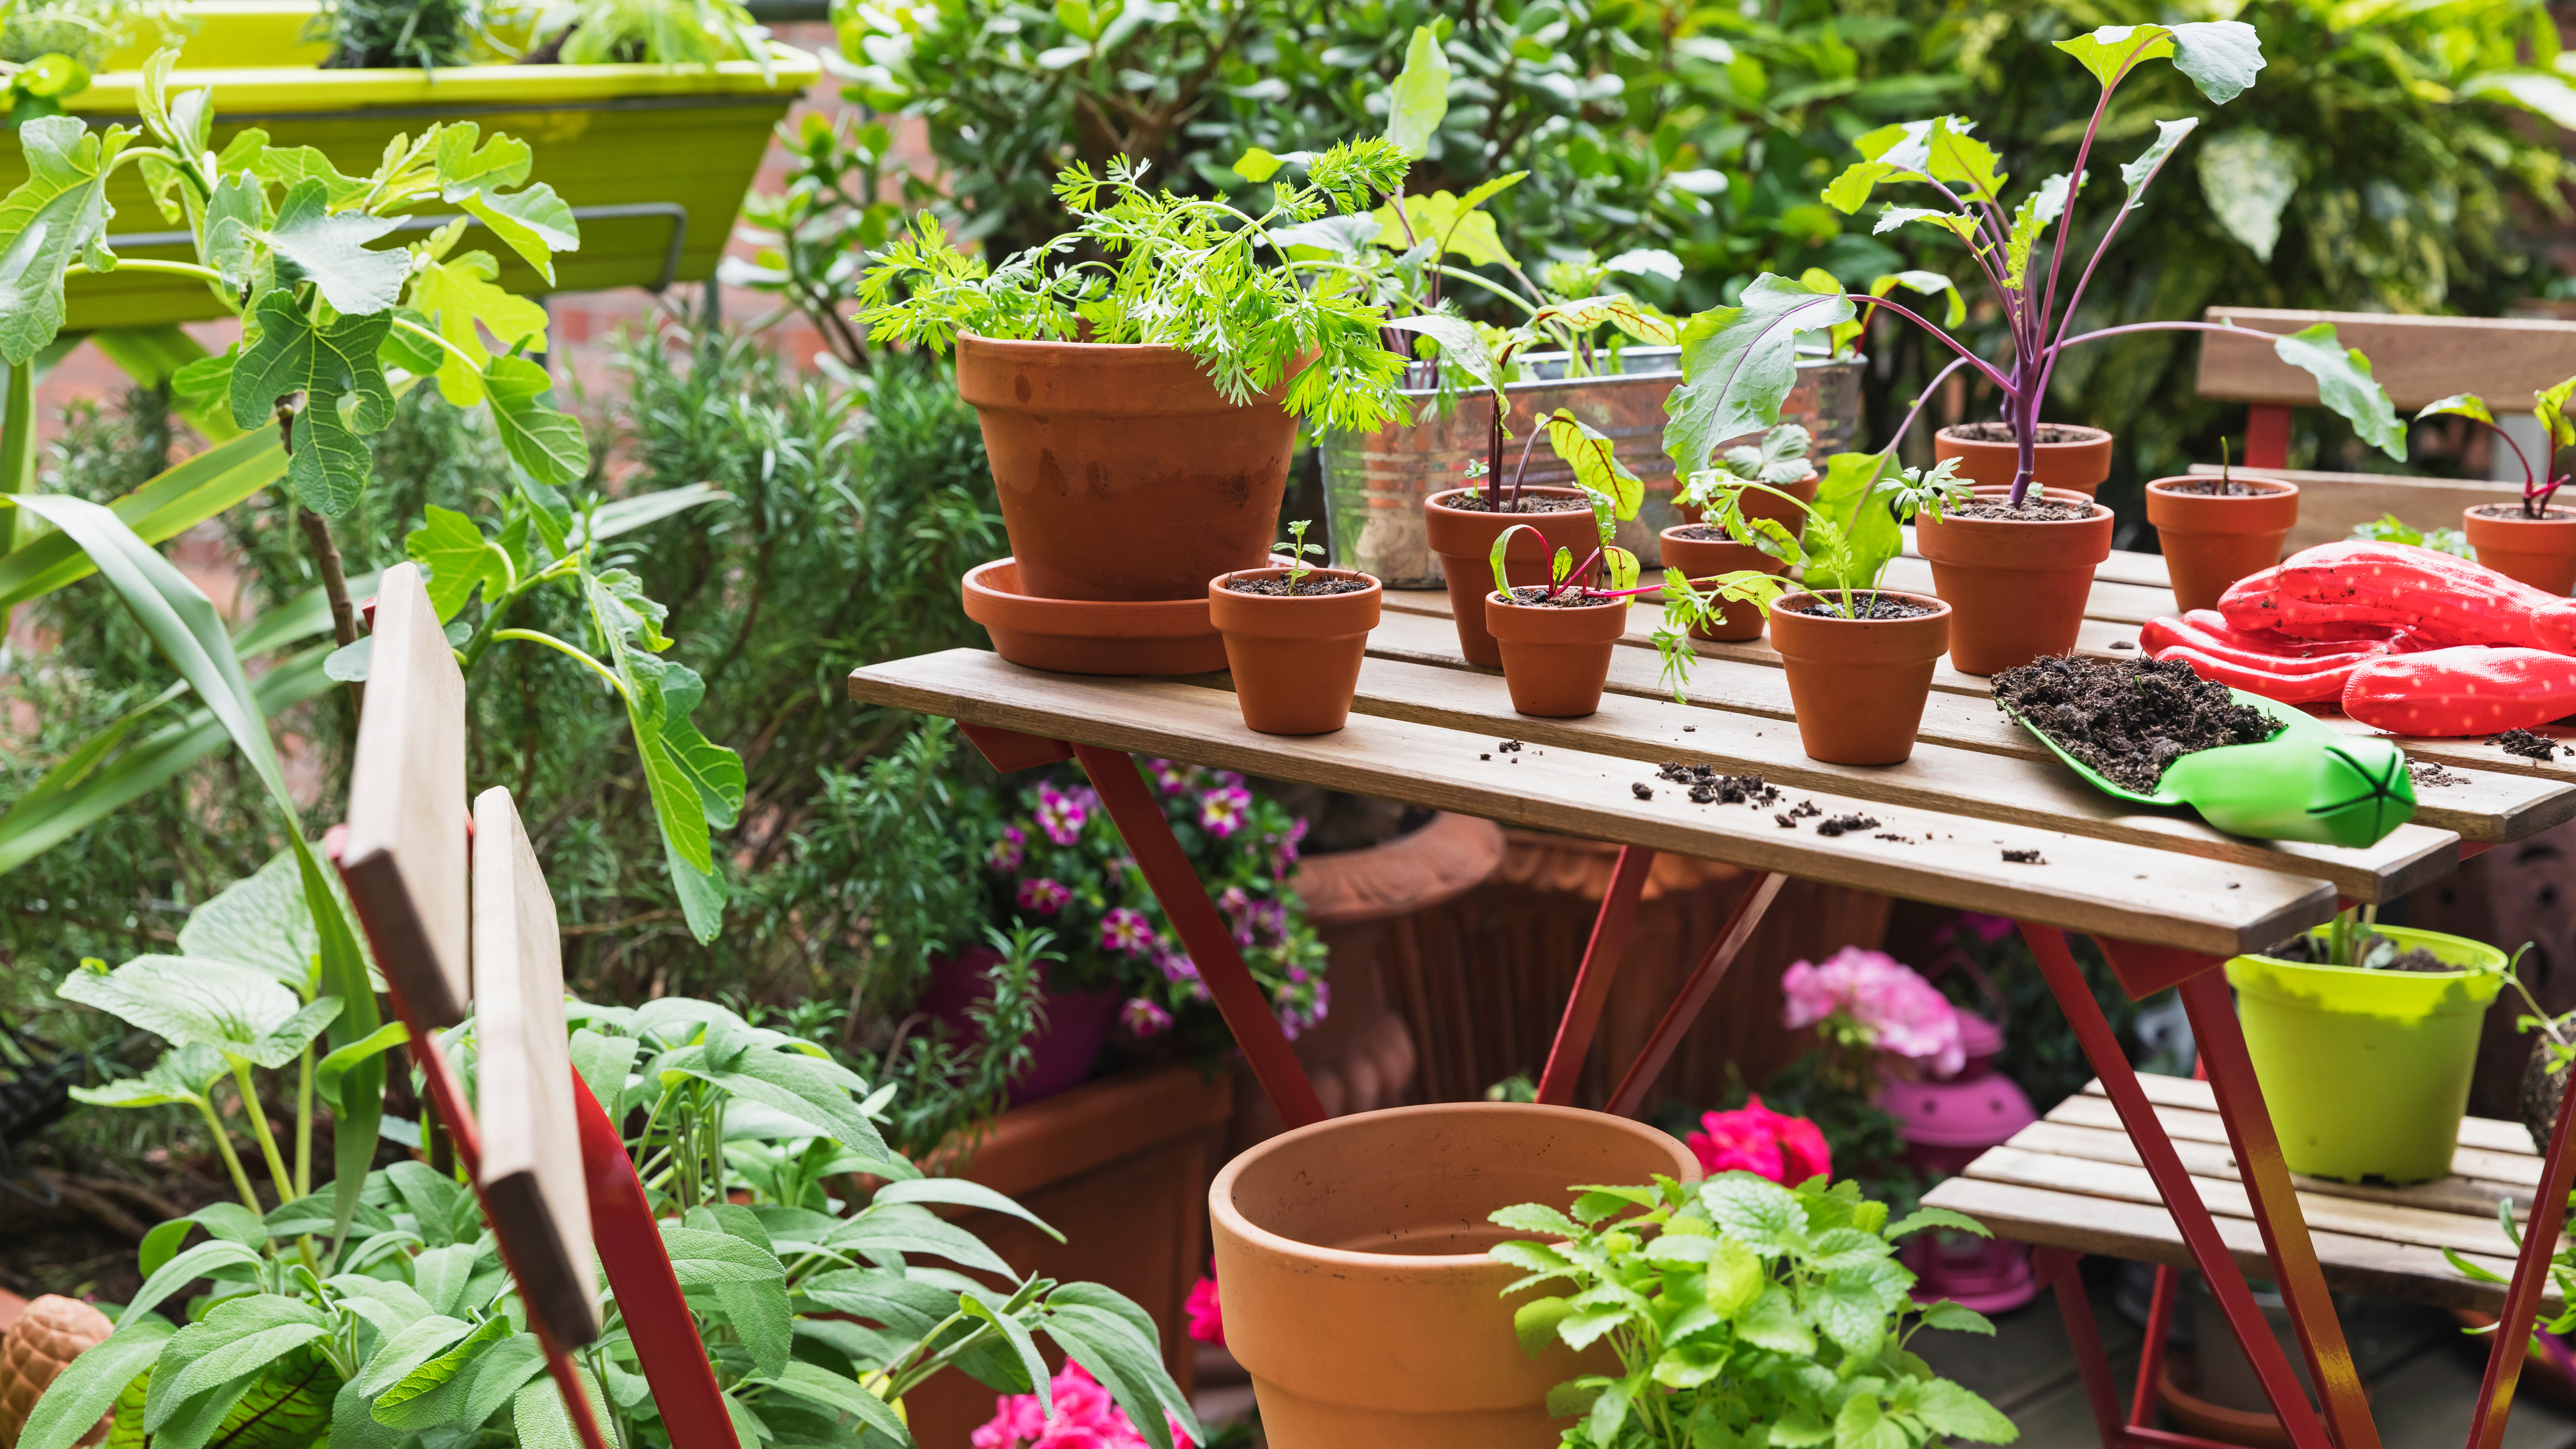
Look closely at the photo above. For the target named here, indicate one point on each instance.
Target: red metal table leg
(2191, 1216)
(1592, 980)
(2059, 1269)
(2530, 1277)
(1739, 927)
(1168, 871)
(2276, 1207)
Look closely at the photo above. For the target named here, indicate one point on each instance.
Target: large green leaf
(458, 559)
(1419, 98)
(236, 1009)
(238, 1337)
(811, 1089)
(2344, 384)
(334, 365)
(2220, 56)
(1738, 364)
(90, 1384)
(822, 1386)
(540, 1420)
(314, 244)
(180, 1078)
(546, 443)
(2138, 173)
(535, 223)
(259, 921)
(60, 209)
(462, 302)
(1594, 457)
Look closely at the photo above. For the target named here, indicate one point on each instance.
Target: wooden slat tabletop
(2075, 1181)
(2087, 884)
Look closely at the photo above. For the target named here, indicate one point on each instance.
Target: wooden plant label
(404, 858)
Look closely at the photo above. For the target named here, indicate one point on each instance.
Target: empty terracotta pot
(2213, 539)
(2540, 552)
(1758, 504)
(1091, 636)
(1702, 559)
(1296, 658)
(1122, 474)
(1464, 542)
(1357, 1290)
(2066, 456)
(2018, 585)
(1555, 660)
(1858, 685)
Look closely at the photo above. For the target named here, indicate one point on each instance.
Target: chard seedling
(2538, 484)
(1617, 566)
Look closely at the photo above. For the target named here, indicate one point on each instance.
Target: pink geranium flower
(1900, 1012)
(1086, 1417)
(1206, 1314)
(1755, 1139)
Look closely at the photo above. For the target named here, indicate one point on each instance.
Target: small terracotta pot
(2078, 466)
(1555, 660)
(1357, 1290)
(1296, 659)
(2540, 552)
(2211, 540)
(1758, 504)
(1705, 559)
(2018, 585)
(1091, 636)
(1858, 685)
(1464, 542)
(1121, 472)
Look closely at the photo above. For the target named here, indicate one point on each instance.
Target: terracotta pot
(1758, 504)
(1357, 1290)
(1555, 660)
(1121, 472)
(2078, 466)
(2540, 552)
(1858, 685)
(1464, 543)
(1296, 660)
(2019, 585)
(2211, 540)
(1703, 559)
(1086, 636)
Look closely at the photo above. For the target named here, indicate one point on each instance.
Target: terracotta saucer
(1084, 636)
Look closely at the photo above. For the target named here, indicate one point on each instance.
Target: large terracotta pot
(1555, 661)
(2078, 462)
(2211, 540)
(1702, 559)
(1296, 660)
(1464, 543)
(2540, 552)
(2019, 585)
(1121, 472)
(1858, 685)
(1357, 1290)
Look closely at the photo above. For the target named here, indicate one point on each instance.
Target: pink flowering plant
(1085, 1417)
(1753, 1138)
(1055, 860)
(1865, 1004)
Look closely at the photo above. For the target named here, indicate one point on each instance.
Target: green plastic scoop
(2308, 782)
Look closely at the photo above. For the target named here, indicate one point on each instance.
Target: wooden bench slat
(2492, 1134)
(2516, 1169)
(2416, 359)
(2209, 1159)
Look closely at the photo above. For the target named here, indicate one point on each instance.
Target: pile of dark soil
(2024, 857)
(1708, 787)
(1482, 501)
(2128, 718)
(2428, 773)
(2526, 743)
(1866, 606)
(1565, 598)
(1306, 587)
(1846, 825)
(2034, 509)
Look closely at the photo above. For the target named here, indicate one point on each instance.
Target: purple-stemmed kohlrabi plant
(2540, 482)
(1739, 362)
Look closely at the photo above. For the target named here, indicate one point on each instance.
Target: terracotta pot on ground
(2540, 552)
(1700, 558)
(2066, 456)
(1858, 685)
(1555, 660)
(1295, 658)
(1357, 1290)
(1464, 542)
(1758, 504)
(1121, 472)
(2211, 540)
(2019, 585)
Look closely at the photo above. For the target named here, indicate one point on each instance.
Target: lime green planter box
(654, 160)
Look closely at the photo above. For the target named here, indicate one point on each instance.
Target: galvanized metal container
(1374, 483)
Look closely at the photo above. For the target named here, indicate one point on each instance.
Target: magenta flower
(1755, 1139)
(1126, 932)
(1171, 779)
(1206, 1314)
(1225, 810)
(1144, 1018)
(1901, 1012)
(1988, 929)
(1007, 852)
(1086, 1417)
(1177, 966)
(1288, 848)
(1044, 894)
(1323, 1002)
(1060, 815)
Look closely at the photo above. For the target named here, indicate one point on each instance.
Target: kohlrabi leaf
(462, 302)
(1930, 284)
(2137, 174)
(2459, 405)
(314, 244)
(336, 367)
(1738, 364)
(1419, 98)
(1960, 224)
(1441, 218)
(1594, 457)
(46, 224)
(1967, 165)
(546, 443)
(1617, 308)
(2344, 384)
(2037, 212)
(2220, 56)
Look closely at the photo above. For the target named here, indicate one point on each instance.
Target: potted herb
(1739, 1310)
(2364, 1038)
(1555, 636)
(1358, 1290)
(1294, 639)
(2215, 531)
(1737, 361)
(1698, 549)
(2531, 541)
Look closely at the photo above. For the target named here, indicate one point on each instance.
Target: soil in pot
(1555, 647)
(2540, 551)
(1295, 656)
(1703, 551)
(2066, 456)
(1357, 1290)
(2215, 531)
(1121, 472)
(2019, 578)
(1461, 526)
(2129, 718)
(1858, 685)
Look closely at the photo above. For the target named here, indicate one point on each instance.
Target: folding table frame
(2142, 971)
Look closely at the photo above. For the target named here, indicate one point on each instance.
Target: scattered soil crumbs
(2527, 744)
(2122, 644)
(1999, 431)
(2025, 857)
(1507, 745)
(2034, 509)
(2217, 488)
(1846, 825)
(1805, 810)
(1708, 787)
(2377, 955)
(2428, 773)
(1481, 501)
(1306, 588)
(1537, 597)
(2128, 718)
(1899, 839)
(1643, 791)
(1872, 606)
(1786, 823)
(1707, 533)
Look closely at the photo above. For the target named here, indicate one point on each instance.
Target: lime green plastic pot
(2367, 1072)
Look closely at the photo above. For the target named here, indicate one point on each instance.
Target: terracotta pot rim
(1939, 606)
(2269, 488)
(1230, 1218)
(1280, 571)
(1057, 344)
(2555, 514)
(2098, 437)
(989, 603)
(1552, 490)
(2100, 512)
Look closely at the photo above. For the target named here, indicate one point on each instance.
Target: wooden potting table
(2166, 897)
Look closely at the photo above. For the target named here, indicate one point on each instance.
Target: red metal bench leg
(1238, 997)
(2530, 1278)
(2276, 1207)
(2151, 1353)
(2059, 1268)
(2267, 436)
(2102, 1049)
(1739, 927)
(1592, 979)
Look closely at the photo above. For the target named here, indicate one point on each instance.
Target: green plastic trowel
(2309, 782)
